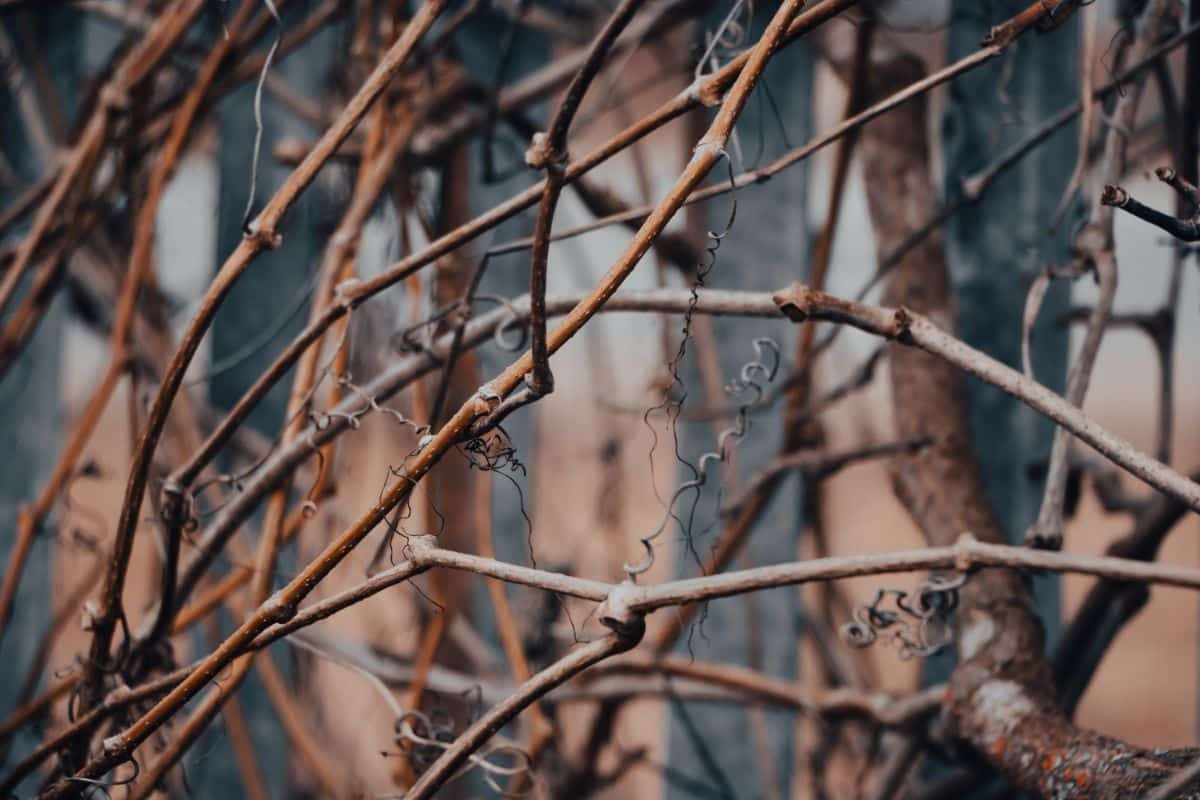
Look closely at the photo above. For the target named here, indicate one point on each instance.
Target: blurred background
(597, 467)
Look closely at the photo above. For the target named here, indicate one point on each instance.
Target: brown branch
(846, 127)
(966, 554)
(1097, 255)
(141, 265)
(529, 692)
(907, 327)
(263, 235)
(549, 152)
(1000, 701)
(81, 162)
(709, 88)
(336, 268)
(877, 707)
(815, 465)
(1044, 14)
(284, 603)
(1185, 230)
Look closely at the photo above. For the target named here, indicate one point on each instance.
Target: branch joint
(620, 614)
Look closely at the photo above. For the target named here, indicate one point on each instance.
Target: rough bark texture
(1001, 700)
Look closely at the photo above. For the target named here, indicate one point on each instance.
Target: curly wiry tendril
(424, 740)
(513, 322)
(672, 406)
(920, 623)
(322, 419)
(256, 153)
(753, 378)
(105, 785)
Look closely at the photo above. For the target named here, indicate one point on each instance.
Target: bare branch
(799, 303)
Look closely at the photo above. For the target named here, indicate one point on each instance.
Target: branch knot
(619, 613)
(1114, 196)
(543, 154)
(263, 238)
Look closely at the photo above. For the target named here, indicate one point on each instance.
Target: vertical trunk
(497, 170)
(256, 321)
(30, 391)
(995, 246)
(767, 246)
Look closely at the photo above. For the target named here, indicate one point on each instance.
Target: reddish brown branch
(549, 152)
(264, 236)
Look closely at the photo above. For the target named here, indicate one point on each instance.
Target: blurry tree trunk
(494, 50)
(259, 317)
(30, 392)
(769, 241)
(996, 246)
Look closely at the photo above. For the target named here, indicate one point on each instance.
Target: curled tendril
(495, 452)
(105, 786)
(321, 420)
(676, 392)
(248, 213)
(425, 737)
(730, 35)
(373, 405)
(920, 623)
(406, 341)
(513, 322)
(753, 378)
